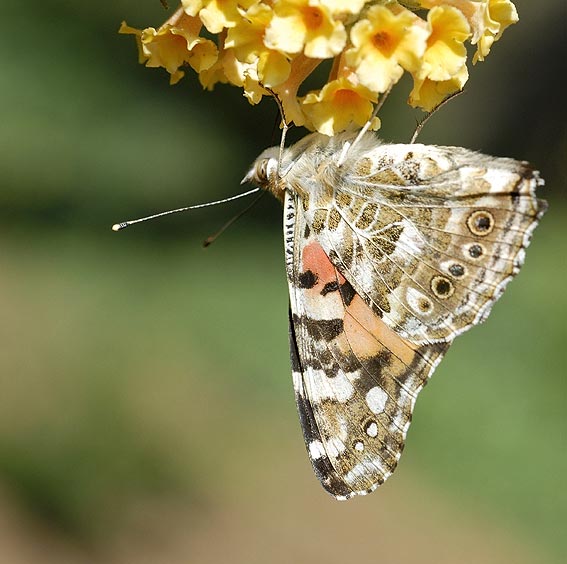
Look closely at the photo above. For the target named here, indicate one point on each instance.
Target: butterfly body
(391, 251)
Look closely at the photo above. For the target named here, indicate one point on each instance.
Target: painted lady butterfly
(390, 254)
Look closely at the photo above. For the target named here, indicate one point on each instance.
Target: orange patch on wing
(364, 332)
(316, 260)
(367, 334)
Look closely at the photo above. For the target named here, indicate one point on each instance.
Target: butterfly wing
(389, 256)
(428, 236)
(355, 379)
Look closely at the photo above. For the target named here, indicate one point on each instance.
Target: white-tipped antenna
(124, 224)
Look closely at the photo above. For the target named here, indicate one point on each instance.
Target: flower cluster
(270, 47)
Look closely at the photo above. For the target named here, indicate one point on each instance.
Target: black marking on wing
(346, 290)
(322, 466)
(347, 293)
(306, 279)
(320, 329)
(330, 287)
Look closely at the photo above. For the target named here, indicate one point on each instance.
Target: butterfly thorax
(309, 169)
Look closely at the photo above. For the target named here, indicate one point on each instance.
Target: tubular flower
(445, 53)
(305, 25)
(175, 43)
(497, 16)
(269, 48)
(443, 68)
(429, 93)
(338, 104)
(384, 44)
(247, 40)
(217, 15)
(488, 20)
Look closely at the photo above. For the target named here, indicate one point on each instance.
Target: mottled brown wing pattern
(430, 236)
(390, 253)
(355, 379)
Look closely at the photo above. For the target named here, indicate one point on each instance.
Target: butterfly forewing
(429, 235)
(355, 379)
(389, 256)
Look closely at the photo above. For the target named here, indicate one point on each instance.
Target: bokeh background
(146, 406)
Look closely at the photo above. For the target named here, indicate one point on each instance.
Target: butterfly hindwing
(355, 379)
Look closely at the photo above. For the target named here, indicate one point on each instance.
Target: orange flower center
(312, 17)
(433, 37)
(345, 97)
(385, 43)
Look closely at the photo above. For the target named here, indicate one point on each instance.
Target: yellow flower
(247, 37)
(273, 69)
(244, 75)
(338, 104)
(213, 75)
(445, 54)
(499, 15)
(443, 69)
(429, 93)
(247, 40)
(175, 43)
(488, 20)
(217, 14)
(305, 25)
(269, 47)
(384, 44)
(344, 6)
(192, 7)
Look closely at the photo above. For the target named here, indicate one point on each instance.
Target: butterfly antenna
(124, 224)
(429, 114)
(348, 146)
(212, 238)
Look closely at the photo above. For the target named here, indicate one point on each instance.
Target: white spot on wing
(498, 179)
(376, 399)
(410, 242)
(322, 387)
(372, 429)
(316, 450)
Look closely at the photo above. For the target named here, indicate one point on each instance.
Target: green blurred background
(146, 407)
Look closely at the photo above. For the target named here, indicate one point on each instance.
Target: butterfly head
(266, 173)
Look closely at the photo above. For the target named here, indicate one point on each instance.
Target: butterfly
(391, 251)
